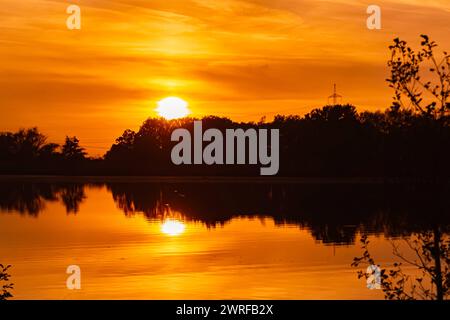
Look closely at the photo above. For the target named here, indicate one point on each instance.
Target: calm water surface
(131, 244)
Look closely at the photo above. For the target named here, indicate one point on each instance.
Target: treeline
(333, 141)
(28, 151)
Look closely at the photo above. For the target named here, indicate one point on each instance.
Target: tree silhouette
(333, 141)
(25, 144)
(429, 98)
(432, 252)
(5, 285)
(416, 129)
(71, 149)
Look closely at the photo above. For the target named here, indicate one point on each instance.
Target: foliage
(332, 141)
(432, 252)
(5, 286)
(71, 149)
(426, 92)
(25, 144)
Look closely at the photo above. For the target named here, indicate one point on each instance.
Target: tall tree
(71, 150)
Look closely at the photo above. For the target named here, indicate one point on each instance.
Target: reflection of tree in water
(430, 255)
(332, 213)
(143, 198)
(30, 198)
(26, 198)
(72, 196)
(5, 285)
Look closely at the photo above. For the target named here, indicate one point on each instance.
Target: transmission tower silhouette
(335, 97)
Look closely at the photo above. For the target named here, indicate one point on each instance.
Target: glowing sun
(172, 227)
(172, 108)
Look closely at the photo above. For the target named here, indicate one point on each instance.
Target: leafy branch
(431, 250)
(407, 76)
(5, 288)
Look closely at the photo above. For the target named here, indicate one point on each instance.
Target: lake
(203, 239)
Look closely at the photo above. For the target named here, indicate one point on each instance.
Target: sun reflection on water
(173, 227)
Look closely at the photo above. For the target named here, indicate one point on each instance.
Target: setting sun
(172, 108)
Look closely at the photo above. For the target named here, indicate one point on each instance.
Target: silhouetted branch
(5, 288)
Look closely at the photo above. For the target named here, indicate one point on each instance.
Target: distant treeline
(333, 141)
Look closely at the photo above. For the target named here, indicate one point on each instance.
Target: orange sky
(242, 59)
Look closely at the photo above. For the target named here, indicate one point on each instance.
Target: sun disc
(172, 227)
(172, 108)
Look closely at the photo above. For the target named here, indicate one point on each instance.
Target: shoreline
(210, 179)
